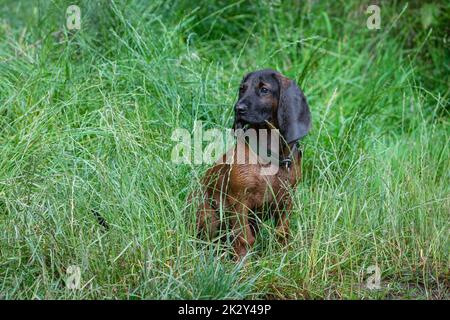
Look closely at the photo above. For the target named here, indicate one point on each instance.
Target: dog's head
(266, 96)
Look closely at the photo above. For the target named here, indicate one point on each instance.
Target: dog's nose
(240, 108)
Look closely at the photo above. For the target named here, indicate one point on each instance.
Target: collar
(287, 162)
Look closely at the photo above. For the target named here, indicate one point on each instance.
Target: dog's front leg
(207, 221)
(244, 238)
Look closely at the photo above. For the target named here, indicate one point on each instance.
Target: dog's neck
(287, 152)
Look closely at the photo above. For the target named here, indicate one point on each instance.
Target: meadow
(86, 118)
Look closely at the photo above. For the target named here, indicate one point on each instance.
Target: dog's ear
(293, 115)
(237, 124)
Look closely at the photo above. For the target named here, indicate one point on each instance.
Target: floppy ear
(293, 115)
(237, 124)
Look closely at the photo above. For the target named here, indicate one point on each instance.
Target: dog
(267, 100)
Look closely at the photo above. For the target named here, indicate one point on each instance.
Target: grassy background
(86, 120)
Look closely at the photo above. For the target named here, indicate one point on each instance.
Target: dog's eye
(264, 90)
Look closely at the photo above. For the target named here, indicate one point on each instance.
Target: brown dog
(232, 189)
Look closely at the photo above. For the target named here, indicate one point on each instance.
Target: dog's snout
(241, 107)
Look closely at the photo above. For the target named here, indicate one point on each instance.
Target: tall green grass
(86, 120)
